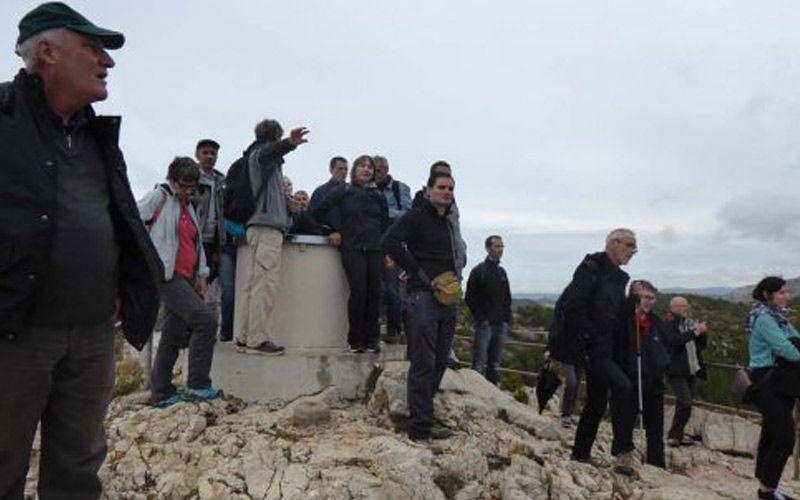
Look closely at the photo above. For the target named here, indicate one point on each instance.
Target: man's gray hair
(27, 49)
(268, 130)
(618, 233)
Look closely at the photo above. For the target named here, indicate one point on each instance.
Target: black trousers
(430, 335)
(683, 387)
(63, 376)
(777, 431)
(604, 376)
(652, 420)
(363, 270)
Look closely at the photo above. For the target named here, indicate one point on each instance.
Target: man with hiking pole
(648, 337)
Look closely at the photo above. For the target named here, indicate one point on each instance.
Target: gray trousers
(683, 387)
(430, 336)
(63, 377)
(572, 381)
(188, 321)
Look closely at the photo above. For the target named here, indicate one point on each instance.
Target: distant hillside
(742, 294)
(541, 299)
(712, 291)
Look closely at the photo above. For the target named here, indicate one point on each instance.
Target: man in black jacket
(421, 243)
(594, 311)
(73, 255)
(686, 366)
(489, 300)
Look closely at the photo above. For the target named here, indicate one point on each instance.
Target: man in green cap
(74, 257)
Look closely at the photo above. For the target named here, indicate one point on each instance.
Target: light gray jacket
(164, 230)
(265, 162)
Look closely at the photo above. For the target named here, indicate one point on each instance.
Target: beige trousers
(258, 268)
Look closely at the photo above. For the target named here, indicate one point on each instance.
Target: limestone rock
(311, 412)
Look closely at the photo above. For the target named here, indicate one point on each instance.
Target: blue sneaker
(174, 399)
(202, 394)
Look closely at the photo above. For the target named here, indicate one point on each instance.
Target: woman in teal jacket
(770, 334)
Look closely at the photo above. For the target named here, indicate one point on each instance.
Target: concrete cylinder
(311, 307)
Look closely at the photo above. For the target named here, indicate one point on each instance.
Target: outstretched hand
(298, 136)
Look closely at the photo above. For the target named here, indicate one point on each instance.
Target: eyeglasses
(186, 188)
(629, 244)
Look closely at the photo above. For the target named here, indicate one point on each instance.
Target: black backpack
(239, 202)
(564, 344)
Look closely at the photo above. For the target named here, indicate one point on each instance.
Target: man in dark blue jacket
(74, 255)
(646, 365)
(489, 299)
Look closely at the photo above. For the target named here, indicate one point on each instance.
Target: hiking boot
(374, 349)
(567, 421)
(174, 399)
(773, 495)
(624, 463)
(225, 337)
(687, 441)
(202, 394)
(268, 348)
(441, 432)
(673, 442)
(357, 349)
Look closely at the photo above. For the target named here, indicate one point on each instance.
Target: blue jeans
(227, 281)
(572, 375)
(487, 349)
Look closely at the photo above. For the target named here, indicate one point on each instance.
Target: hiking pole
(639, 371)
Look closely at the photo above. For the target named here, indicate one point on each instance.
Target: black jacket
(653, 351)
(364, 215)
(593, 309)
(680, 334)
(28, 205)
(421, 240)
(488, 293)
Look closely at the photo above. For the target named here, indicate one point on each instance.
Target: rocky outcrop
(726, 433)
(322, 447)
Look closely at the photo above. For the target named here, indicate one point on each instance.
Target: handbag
(742, 386)
(447, 288)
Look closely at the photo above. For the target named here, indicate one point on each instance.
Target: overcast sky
(562, 120)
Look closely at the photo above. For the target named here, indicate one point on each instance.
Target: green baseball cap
(59, 15)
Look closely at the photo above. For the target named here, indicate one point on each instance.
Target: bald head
(679, 305)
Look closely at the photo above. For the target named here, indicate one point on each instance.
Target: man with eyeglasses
(594, 310)
(687, 340)
(188, 321)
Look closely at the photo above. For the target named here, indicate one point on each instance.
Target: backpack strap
(396, 192)
(152, 221)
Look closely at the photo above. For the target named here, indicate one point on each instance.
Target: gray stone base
(298, 372)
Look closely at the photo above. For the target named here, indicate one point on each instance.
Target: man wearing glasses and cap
(74, 255)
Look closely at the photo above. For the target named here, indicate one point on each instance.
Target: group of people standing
(78, 257)
(626, 351)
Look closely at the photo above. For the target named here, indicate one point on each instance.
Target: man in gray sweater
(260, 259)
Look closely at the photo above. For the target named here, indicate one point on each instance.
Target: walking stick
(639, 370)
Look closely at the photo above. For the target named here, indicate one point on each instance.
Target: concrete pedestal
(299, 372)
(311, 307)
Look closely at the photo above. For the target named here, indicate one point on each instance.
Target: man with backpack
(256, 199)
(589, 330)
(188, 321)
(398, 199)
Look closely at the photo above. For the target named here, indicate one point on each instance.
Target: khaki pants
(258, 268)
